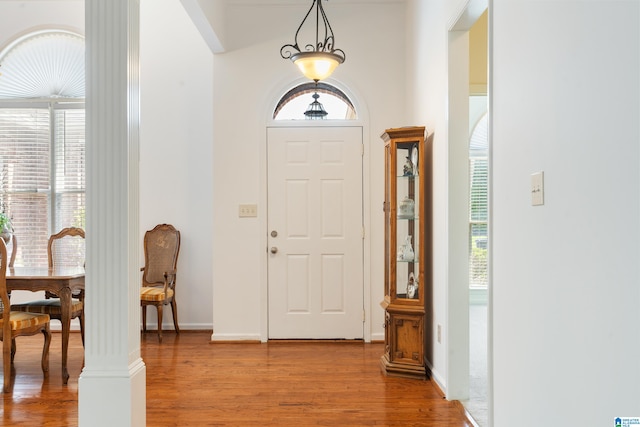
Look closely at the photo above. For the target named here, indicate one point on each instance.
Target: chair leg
(159, 307)
(81, 319)
(45, 349)
(144, 318)
(174, 311)
(6, 363)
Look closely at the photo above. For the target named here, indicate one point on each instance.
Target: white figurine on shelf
(405, 252)
(412, 287)
(407, 169)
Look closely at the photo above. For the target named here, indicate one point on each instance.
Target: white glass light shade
(316, 65)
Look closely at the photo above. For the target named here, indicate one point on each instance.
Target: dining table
(62, 281)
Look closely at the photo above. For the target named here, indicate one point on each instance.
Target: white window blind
(25, 179)
(42, 175)
(44, 64)
(69, 161)
(478, 173)
(478, 204)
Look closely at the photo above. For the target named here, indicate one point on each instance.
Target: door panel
(315, 208)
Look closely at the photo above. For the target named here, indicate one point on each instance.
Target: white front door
(315, 229)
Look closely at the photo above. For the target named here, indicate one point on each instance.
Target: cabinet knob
(274, 250)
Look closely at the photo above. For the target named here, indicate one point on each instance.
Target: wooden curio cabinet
(407, 208)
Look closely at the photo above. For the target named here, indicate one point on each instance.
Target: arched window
(42, 142)
(294, 103)
(43, 65)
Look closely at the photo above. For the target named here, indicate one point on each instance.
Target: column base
(100, 391)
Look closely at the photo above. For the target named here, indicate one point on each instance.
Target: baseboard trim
(217, 337)
(437, 379)
(437, 383)
(466, 413)
(377, 337)
(75, 326)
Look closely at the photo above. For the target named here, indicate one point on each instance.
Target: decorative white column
(112, 384)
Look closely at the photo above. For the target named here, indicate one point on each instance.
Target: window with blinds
(69, 173)
(42, 142)
(42, 180)
(25, 179)
(478, 204)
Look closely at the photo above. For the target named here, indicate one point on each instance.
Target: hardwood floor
(192, 382)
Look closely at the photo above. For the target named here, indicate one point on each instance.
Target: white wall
(176, 149)
(176, 134)
(427, 100)
(566, 280)
(249, 79)
(566, 336)
(21, 17)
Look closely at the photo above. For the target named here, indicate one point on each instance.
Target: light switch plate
(247, 211)
(537, 189)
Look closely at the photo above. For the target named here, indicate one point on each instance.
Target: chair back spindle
(67, 248)
(161, 252)
(14, 250)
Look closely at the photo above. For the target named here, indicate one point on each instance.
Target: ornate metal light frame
(318, 60)
(316, 110)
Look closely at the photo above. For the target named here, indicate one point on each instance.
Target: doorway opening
(469, 296)
(317, 216)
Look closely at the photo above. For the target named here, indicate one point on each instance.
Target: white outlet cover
(537, 189)
(248, 211)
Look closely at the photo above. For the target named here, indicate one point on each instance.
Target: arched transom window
(297, 101)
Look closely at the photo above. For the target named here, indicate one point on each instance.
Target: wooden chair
(161, 248)
(14, 324)
(65, 248)
(14, 249)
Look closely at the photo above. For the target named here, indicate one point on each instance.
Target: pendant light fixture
(318, 58)
(316, 110)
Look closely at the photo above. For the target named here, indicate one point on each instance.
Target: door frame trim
(366, 219)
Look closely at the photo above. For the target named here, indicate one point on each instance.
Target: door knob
(274, 250)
